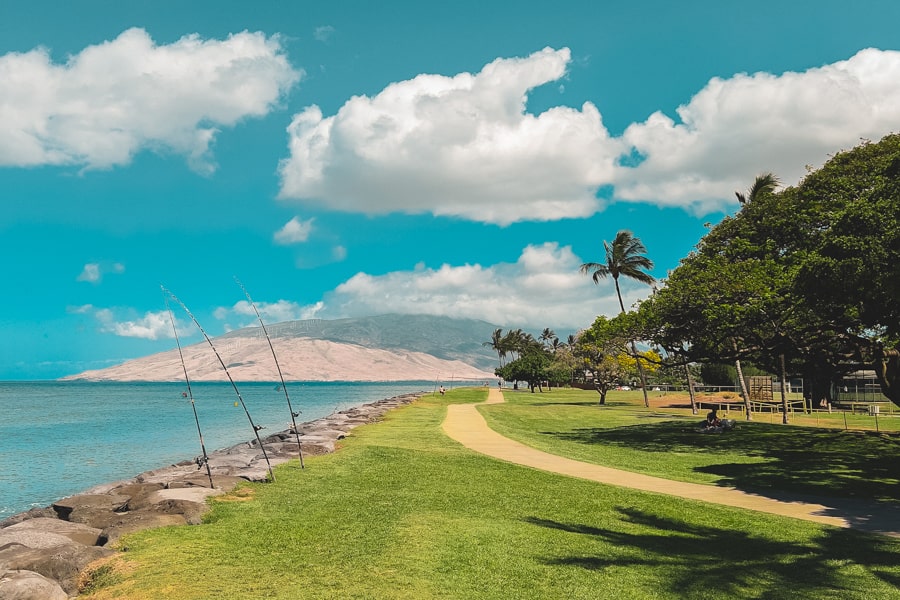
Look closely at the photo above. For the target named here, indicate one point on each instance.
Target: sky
(358, 158)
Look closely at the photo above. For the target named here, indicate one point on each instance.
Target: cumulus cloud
(93, 272)
(90, 273)
(294, 231)
(542, 288)
(465, 146)
(271, 312)
(460, 146)
(150, 326)
(114, 99)
(735, 128)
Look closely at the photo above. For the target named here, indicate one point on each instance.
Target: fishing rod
(294, 414)
(255, 427)
(205, 460)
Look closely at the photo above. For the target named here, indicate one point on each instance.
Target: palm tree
(765, 183)
(496, 344)
(547, 335)
(556, 345)
(624, 257)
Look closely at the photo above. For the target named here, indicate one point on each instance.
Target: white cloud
(465, 146)
(117, 98)
(323, 33)
(151, 326)
(294, 231)
(735, 128)
(93, 272)
(455, 146)
(83, 309)
(90, 273)
(271, 312)
(543, 288)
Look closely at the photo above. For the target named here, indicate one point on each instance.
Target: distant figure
(713, 424)
(442, 390)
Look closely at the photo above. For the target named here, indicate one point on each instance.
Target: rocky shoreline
(44, 550)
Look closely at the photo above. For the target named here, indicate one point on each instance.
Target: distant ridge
(381, 348)
(444, 337)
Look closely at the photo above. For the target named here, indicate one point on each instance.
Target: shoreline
(45, 549)
(63, 438)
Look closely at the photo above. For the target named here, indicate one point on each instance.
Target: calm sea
(60, 438)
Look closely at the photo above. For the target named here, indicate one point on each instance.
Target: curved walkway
(466, 425)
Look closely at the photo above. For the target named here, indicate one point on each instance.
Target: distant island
(380, 348)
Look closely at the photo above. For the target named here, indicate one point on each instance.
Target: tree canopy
(808, 276)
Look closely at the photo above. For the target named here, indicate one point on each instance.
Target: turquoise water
(60, 438)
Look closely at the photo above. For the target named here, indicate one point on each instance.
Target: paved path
(466, 425)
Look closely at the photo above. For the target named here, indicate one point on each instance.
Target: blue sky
(358, 158)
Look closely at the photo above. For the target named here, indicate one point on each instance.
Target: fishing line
(255, 427)
(187, 380)
(294, 414)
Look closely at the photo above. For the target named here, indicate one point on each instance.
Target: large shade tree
(626, 257)
(807, 276)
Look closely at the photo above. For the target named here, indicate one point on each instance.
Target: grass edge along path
(466, 425)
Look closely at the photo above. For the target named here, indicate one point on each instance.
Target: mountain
(381, 348)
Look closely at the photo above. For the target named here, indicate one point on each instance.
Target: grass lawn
(401, 511)
(757, 456)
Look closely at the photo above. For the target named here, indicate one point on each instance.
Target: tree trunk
(887, 370)
(690, 380)
(641, 373)
(601, 389)
(784, 405)
(740, 374)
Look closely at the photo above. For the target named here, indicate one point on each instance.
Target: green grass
(401, 511)
(757, 456)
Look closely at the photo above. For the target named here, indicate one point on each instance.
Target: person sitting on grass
(716, 425)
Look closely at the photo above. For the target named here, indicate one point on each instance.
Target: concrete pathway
(466, 425)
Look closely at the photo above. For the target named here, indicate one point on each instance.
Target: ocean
(61, 438)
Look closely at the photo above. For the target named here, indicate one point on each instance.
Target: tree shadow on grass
(819, 462)
(691, 559)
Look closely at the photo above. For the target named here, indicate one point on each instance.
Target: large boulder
(91, 509)
(34, 513)
(138, 521)
(77, 532)
(28, 585)
(51, 555)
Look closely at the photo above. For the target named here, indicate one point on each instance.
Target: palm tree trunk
(637, 359)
